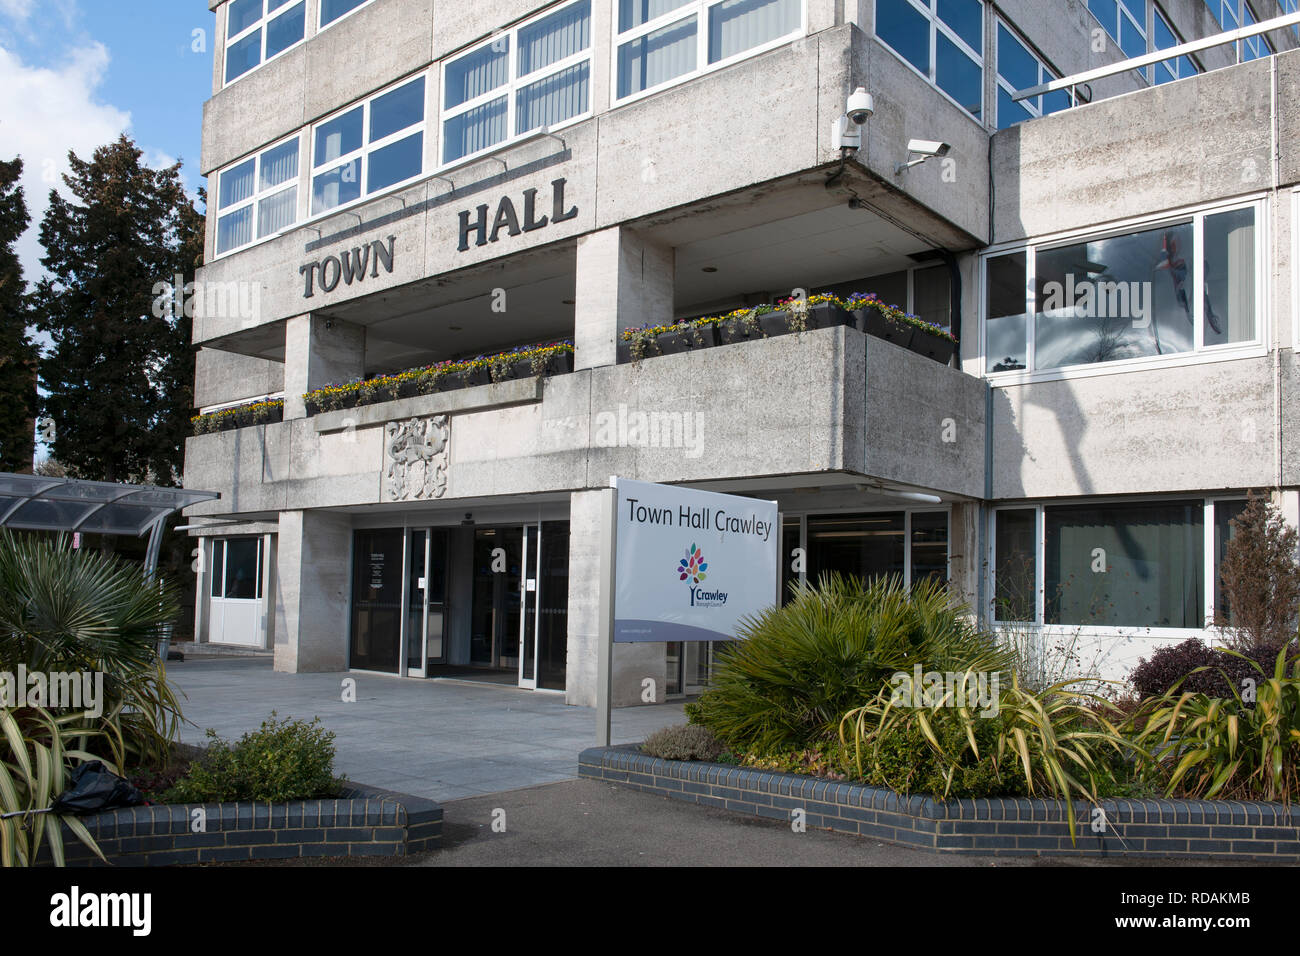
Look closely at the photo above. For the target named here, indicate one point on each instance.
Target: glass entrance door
(426, 596)
(498, 581)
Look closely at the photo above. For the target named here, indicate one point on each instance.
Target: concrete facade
(719, 190)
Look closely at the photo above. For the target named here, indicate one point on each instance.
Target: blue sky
(76, 73)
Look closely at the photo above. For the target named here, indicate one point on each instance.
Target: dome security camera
(860, 106)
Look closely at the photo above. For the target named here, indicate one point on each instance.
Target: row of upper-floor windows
(535, 75)
(260, 30)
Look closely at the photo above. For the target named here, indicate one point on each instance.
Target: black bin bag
(94, 787)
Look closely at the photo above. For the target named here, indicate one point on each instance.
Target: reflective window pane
(285, 30)
(959, 76)
(1230, 277)
(395, 162)
(397, 110)
(475, 129)
(551, 39)
(244, 55)
(236, 184)
(633, 13)
(929, 547)
(331, 10)
(905, 30)
(867, 546)
(277, 212)
(242, 568)
(279, 165)
(1153, 555)
(1004, 328)
(657, 57)
(1015, 566)
(559, 97)
(336, 187)
(235, 229)
(739, 25)
(1016, 65)
(242, 14)
(966, 19)
(338, 137)
(1117, 298)
(475, 74)
(932, 295)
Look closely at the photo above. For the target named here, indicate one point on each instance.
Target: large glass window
(1125, 296)
(660, 41)
(258, 30)
(1178, 68)
(1015, 537)
(1125, 21)
(1020, 69)
(1129, 565)
(1233, 14)
(943, 40)
(369, 147)
(331, 10)
(536, 75)
(236, 569)
(258, 197)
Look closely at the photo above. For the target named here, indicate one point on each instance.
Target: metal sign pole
(605, 639)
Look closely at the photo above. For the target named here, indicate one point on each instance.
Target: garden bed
(363, 821)
(1216, 829)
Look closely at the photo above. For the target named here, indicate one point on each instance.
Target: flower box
(687, 337)
(933, 345)
(476, 375)
(874, 322)
(740, 328)
(559, 363)
(821, 315)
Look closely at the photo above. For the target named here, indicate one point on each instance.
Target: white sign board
(690, 564)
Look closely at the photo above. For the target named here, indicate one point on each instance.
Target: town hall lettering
(348, 267)
(507, 217)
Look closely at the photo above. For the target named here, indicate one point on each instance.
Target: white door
(236, 592)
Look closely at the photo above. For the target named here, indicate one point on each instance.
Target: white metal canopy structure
(36, 503)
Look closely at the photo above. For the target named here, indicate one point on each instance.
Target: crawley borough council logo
(692, 566)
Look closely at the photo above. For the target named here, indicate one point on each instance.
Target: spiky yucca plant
(799, 668)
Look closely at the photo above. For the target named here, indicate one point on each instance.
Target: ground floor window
(1135, 564)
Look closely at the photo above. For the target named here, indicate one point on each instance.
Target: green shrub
(801, 667)
(827, 759)
(906, 762)
(284, 760)
(1230, 748)
(683, 742)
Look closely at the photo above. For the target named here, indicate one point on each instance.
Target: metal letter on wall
(415, 458)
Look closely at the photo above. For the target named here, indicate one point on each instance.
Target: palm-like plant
(801, 667)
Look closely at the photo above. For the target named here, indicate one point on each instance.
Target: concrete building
(395, 183)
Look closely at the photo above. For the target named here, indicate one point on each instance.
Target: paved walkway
(439, 739)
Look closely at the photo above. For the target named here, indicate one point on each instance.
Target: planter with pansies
(241, 416)
(807, 315)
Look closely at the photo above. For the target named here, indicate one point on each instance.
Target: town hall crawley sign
(689, 565)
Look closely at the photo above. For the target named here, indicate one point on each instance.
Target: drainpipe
(982, 616)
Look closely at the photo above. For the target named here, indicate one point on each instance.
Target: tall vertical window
(943, 40)
(1125, 21)
(331, 10)
(1176, 69)
(369, 147)
(660, 41)
(258, 197)
(258, 30)
(1019, 69)
(538, 74)
(1176, 287)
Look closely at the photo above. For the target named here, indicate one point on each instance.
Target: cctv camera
(928, 147)
(860, 106)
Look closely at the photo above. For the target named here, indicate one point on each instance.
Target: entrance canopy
(36, 503)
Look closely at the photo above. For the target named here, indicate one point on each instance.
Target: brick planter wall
(992, 827)
(364, 821)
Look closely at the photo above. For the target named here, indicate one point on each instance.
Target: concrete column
(318, 351)
(313, 570)
(623, 281)
(964, 562)
(632, 663)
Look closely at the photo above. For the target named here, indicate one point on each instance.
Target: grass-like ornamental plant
(1056, 743)
(683, 742)
(1245, 747)
(36, 748)
(799, 668)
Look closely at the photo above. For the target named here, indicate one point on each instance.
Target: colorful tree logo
(692, 566)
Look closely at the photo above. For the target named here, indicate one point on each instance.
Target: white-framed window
(1163, 37)
(1125, 21)
(368, 147)
(1234, 14)
(1256, 47)
(260, 30)
(1110, 563)
(943, 40)
(1019, 68)
(661, 42)
(1150, 291)
(257, 197)
(334, 10)
(911, 543)
(536, 74)
(1289, 7)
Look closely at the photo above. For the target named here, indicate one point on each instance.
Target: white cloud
(16, 9)
(44, 113)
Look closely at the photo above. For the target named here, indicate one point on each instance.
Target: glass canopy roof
(35, 503)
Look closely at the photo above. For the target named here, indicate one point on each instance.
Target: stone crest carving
(415, 458)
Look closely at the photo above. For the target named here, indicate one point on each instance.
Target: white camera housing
(860, 106)
(928, 147)
(846, 132)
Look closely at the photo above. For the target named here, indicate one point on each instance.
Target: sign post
(679, 565)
